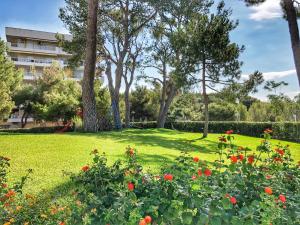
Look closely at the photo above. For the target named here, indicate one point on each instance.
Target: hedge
(284, 131)
(36, 130)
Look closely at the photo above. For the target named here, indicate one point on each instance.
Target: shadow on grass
(164, 138)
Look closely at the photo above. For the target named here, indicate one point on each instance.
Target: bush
(285, 131)
(37, 130)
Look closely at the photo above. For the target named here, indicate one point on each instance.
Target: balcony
(19, 61)
(35, 48)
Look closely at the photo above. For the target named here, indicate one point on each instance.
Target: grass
(51, 154)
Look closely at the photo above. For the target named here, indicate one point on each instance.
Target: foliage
(10, 79)
(237, 188)
(59, 97)
(284, 131)
(222, 112)
(144, 104)
(103, 106)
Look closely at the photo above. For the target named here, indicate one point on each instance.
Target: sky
(262, 30)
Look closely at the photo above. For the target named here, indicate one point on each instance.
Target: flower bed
(238, 188)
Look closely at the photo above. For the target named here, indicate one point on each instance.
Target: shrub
(238, 188)
(37, 130)
(285, 131)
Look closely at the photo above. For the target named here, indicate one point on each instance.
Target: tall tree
(10, 79)
(291, 13)
(90, 123)
(124, 22)
(132, 63)
(207, 48)
(166, 58)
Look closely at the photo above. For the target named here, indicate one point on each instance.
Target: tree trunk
(24, 117)
(205, 101)
(164, 108)
(90, 123)
(113, 97)
(127, 108)
(294, 33)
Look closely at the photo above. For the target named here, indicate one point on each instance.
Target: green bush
(284, 131)
(37, 130)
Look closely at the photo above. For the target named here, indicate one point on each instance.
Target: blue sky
(261, 29)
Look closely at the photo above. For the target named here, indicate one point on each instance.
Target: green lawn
(51, 154)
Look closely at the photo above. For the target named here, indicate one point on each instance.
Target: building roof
(34, 34)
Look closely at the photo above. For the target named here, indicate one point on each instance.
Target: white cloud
(275, 75)
(278, 75)
(268, 10)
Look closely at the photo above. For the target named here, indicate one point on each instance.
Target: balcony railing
(37, 62)
(34, 46)
(37, 48)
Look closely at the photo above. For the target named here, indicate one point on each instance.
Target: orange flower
(4, 185)
(268, 177)
(143, 222)
(131, 152)
(196, 159)
(10, 193)
(268, 131)
(130, 186)
(85, 168)
(62, 223)
(168, 177)
(148, 219)
(268, 190)
(233, 159)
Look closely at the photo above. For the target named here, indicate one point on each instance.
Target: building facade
(33, 50)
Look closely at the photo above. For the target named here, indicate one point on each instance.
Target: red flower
(196, 159)
(168, 177)
(268, 190)
(62, 223)
(194, 177)
(250, 159)
(280, 151)
(85, 168)
(282, 198)
(233, 200)
(229, 132)
(200, 172)
(148, 219)
(207, 172)
(241, 157)
(130, 186)
(233, 159)
(143, 222)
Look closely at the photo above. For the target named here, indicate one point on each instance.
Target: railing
(34, 46)
(41, 61)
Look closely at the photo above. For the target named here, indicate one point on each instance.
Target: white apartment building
(30, 49)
